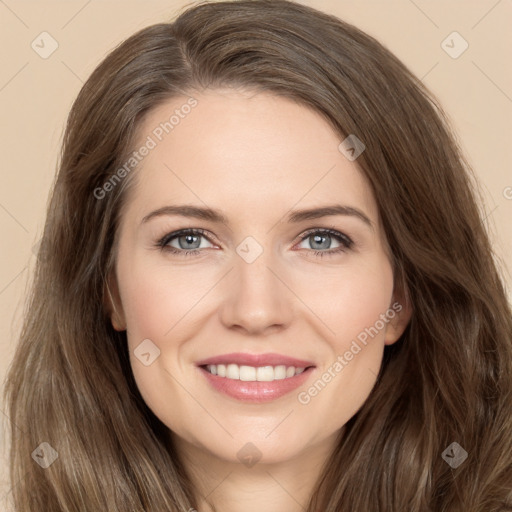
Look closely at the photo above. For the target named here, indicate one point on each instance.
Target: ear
(112, 303)
(399, 314)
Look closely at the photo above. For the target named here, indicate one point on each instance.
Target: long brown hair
(449, 377)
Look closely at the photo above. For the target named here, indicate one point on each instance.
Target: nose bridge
(255, 299)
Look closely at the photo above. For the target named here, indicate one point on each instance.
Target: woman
(266, 285)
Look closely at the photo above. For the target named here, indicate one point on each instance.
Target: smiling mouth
(253, 373)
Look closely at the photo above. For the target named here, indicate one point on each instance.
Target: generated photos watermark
(152, 140)
(305, 397)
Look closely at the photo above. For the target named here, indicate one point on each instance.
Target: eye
(321, 239)
(188, 242)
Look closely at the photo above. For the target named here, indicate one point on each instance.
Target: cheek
(155, 298)
(145, 312)
(156, 301)
(159, 303)
(354, 304)
(349, 299)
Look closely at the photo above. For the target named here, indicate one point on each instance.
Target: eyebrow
(213, 215)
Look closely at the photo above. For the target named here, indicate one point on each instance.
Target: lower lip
(256, 392)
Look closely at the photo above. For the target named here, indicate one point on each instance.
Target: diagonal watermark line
(424, 14)
(165, 165)
(424, 76)
(13, 77)
(4, 497)
(72, 71)
(279, 423)
(301, 300)
(199, 300)
(217, 486)
(372, 372)
(279, 483)
(13, 13)
(492, 81)
(199, 403)
(492, 8)
(76, 14)
(275, 224)
(490, 213)
(13, 217)
(11, 421)
(12, 281)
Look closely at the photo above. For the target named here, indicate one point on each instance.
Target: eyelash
(346, 242)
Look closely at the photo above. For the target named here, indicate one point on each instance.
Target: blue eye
(189, 241)
(320, 236)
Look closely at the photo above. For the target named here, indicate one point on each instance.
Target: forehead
(253, 152)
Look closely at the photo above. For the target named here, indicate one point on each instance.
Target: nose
(256, 298)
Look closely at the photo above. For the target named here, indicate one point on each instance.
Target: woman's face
(267, 291)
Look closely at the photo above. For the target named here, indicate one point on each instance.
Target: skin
(254, 157)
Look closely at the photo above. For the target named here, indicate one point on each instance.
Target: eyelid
(208, 235)
(181, 232)
(346, 242)
(330, 231)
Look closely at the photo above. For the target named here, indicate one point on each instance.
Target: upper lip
(243, 359)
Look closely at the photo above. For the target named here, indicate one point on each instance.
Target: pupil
(319, 237)
(190, 240)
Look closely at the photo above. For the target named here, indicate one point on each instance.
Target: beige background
(36, 95)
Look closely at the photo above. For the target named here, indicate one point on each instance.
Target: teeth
(252, 373)
(280, 372)
(233, 371)
(265, 374)
(247, 373)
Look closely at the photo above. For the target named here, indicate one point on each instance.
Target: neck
(230, 486)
